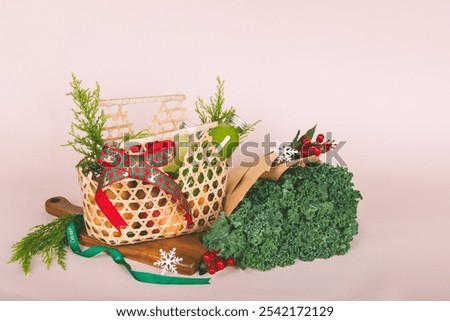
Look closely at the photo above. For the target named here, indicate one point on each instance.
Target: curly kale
(309, 213)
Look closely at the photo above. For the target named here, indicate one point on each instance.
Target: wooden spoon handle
(60, 206)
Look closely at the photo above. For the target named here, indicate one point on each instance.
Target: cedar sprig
(48, 241)
(248, 129)
(215, 112)
(86, 130)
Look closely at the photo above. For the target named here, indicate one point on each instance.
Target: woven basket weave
(149, 212)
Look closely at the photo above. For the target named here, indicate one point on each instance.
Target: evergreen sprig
(215, 112)
(248, 129)
(48, 241)
(86, 130)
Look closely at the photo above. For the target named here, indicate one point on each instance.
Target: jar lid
(183, 125)
(238, 122)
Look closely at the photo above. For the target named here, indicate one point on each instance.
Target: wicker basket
(150, 212)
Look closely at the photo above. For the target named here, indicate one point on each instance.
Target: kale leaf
(308, 213)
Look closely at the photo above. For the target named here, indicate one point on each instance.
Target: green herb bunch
(48, 241)
(214, 111)
(308, 213)
(86, 130)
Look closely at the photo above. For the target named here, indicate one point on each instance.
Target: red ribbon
(120, 165)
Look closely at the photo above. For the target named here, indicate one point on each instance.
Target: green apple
(181, 148)
(225, 138)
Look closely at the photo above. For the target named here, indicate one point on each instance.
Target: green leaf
(310, 133)
(296, 142)
(202, 269)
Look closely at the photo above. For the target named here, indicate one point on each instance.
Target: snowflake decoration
(168, 261)
(285, 152)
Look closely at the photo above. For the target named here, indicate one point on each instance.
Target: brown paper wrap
(241, 179)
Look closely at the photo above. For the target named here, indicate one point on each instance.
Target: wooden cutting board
(187, 247)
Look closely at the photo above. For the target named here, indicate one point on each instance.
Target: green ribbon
(72, 239)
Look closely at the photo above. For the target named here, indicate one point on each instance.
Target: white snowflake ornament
(168, 261)
(285, 152)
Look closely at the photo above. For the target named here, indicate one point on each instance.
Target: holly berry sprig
(212, 263)
(309, 148)
(306, 147)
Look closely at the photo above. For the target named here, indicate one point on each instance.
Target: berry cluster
(308, 148)
(214, 263)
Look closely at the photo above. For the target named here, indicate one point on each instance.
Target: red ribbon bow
(140, 165)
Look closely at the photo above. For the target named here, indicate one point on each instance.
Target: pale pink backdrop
(376, 74)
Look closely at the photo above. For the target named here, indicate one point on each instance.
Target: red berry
(135, 148)
(316, 151)
(306, 142)
(327, 147)
(211, 270)
(230, 261)
(220, 265)
(320, 138)
(207, 257)
(305, 153)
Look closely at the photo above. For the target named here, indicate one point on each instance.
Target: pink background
(376, 74)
